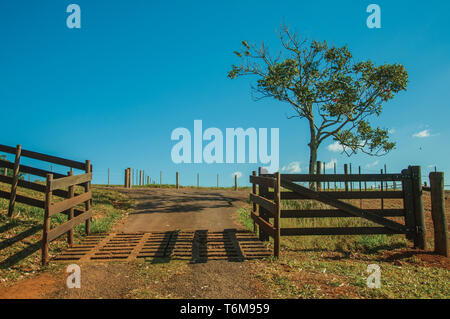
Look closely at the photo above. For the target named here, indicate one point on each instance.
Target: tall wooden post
(217, 180)
(235, 183)
(5, 171)
(277, 199)
(346, 173)
(178, 180)
(87, 205)
(438, 213)
(351, 183)
(160, 178)
(382, 189)
(108, 176)
(334, 170)
(148, 180)
(198, 180)
(318, 173)
(125, 179)
(15, 181)
(254, 191)
(263, 190)
(46, 228)
(71, 193)
(420, 240)
(360, 200)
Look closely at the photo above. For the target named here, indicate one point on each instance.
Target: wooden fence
(57, 185)
(268, 196)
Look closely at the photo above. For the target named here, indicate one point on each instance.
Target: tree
(326, 87)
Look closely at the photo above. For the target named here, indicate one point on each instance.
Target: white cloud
(238, 174)
(330, 165)
(370, 165)
(291, 168)
(422, 134)
(335, 147)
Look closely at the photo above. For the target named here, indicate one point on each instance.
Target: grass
(20, 236)
(335, 266)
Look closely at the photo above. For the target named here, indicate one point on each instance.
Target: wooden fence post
(15, 180)
(5, 171)
(198, 180)
(410, 218)
(217, 180)
(125, 181)
(346, 173)
(46, 228)
(420, 240)
(71, 193)
(254, 191)
(263, 190)
(235, 183)
(108, 176)
(160, 178)
(351, 183)
(382, 189)
(334, 170)
(438, 213)
(277, 198)
(87, 205)
(178, 180)
(360, 189)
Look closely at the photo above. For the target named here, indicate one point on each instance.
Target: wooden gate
(273, 188)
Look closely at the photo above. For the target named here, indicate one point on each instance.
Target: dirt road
(185, 209)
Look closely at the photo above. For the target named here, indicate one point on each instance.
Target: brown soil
(34, 288)
(214, 279)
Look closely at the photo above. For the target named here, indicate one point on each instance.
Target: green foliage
(324, 85)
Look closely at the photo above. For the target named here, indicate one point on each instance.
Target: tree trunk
(313, 145)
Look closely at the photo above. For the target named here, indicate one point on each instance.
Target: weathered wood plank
(266, 181)
(357, 212)
(44, 157)
(343, 195)
(67, 181)
(440, 224)
(337, 231)
(64, 205)
(265, 226)
(22, 183)
(261, 201)
(327, 213)
(23, 199)
(340, 177)
(64, 228)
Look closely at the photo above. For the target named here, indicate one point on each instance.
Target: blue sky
(114, 90)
